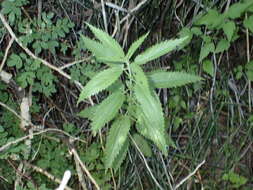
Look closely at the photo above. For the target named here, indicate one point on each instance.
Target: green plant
(236, 180)
(132, 102)
(31, 72)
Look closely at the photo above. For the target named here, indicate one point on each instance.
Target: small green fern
(132, 98)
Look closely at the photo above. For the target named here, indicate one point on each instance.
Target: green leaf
(248, 23)
(151, 116)
(185, 32)
(107, 110)
(142, 145)
(121, 156)
(162, 79)
(134, 46)
(15, 60)
(107, 41)
(116, 139)
(139, 75)
(213, 19)
(205, 50)
(229, 29)
(101, 52)
(196, 31)
(88, 112)
(235, 179)
(237, 9)
(223, 45)
(100, 82)
(158, 50)
(208, 67)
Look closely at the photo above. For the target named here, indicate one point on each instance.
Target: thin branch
(146, 164)
(64, 181)
(189, 176)
(104, 15)
(74, 63)
(45, 173)
(248, 60)
(73, 150)
(135, 9)
(6, 53)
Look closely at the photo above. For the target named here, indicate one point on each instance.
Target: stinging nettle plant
(132, 101)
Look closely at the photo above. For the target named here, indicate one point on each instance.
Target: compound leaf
(100, 82)
(162, 79)
(107, 110)
(107, 41)
(158, 50)
(116, 139)
(134, 46)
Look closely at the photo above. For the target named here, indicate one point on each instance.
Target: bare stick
(45, 173)
(74, 63)
(189, 176)
(248, 60)
(104, 15)
(133, 10)
(64, 181)
(73, 150)
(146, 164)
(6, 54)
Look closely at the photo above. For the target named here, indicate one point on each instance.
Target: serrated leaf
(208, 67)
(139, 75)
(116, 139)
(155, 133)
(158, 50)
(229, 29)
(162, 79)
(223, 45)
(88, 112)
(134, 46)
(107, 110)
(152, 116)
(107, 41)
(101, 52)
(100, 82)
(248, 23)
(185, 32)
(205, 50)
(142, 145)
(121, 156)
